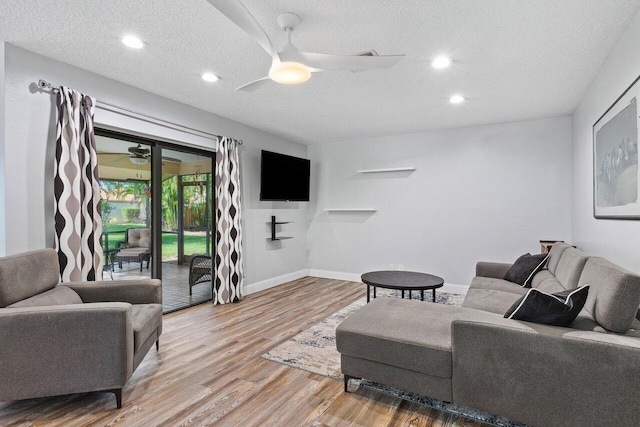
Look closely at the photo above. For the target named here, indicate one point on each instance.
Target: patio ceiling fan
(290, 65)
(140, 156)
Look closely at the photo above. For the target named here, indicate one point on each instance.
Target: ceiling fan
(140, 156)
(290, 65)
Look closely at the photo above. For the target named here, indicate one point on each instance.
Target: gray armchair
(63, 338)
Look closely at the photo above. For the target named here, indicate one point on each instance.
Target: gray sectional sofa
(587, 374)
(68, 338)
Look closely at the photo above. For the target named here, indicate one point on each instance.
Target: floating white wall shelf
(406, 169)
(349, 210)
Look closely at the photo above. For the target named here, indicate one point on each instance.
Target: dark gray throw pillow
(525, 267)
(559, 309)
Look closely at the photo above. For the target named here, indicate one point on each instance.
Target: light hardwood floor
(209, 372)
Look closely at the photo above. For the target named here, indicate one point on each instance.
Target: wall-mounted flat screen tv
(284, 178)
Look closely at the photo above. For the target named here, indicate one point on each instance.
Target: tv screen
(284, 178)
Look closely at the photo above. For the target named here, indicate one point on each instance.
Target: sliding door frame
(156, 188)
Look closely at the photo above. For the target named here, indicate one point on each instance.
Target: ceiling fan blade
(254, 85)
(326, 62)
(239, 15)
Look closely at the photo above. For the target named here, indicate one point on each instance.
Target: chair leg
(118, 393)
(158, 344)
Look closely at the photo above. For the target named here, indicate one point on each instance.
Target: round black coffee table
(402, 280)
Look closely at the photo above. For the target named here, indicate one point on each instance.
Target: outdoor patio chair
(136, 247)
(199, 270)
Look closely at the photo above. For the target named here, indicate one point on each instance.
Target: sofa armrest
(64, 349)
(544, 375)
(145, 291)
(496, 270)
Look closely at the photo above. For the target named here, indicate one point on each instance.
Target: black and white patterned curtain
(78, 223)
(228, 283)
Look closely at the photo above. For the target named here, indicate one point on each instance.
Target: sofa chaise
(63, 338)
(587, 374)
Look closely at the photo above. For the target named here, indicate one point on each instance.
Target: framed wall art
(616, 189)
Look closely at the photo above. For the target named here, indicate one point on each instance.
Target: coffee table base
(402, 290)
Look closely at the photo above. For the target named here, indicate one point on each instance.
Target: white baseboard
(274, 281)
(336, 275)
(451, 288)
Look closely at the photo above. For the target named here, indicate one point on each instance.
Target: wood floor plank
(209, 372)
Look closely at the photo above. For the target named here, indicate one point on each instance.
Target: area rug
(314, 350)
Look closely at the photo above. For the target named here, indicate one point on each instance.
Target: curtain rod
(44, 85)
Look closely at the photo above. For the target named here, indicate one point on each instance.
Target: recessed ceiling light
(441, 62)
(133, 42)
(210, 77)
(456, 99)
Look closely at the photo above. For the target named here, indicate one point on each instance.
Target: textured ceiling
(513, 59)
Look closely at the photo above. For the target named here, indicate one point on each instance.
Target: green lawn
(192, 244)
(122, 227)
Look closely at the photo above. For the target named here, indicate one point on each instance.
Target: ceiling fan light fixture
(289, 73)
(138, 160)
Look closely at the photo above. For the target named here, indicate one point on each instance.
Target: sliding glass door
(157, 211)
(186, 228)
(125, 178)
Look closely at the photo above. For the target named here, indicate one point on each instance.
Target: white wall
(484, 193)
(616, 240)
(29, 142)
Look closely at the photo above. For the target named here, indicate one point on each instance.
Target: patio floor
(175, 284)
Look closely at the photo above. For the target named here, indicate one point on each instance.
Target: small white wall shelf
(405, 169)
(349, 210)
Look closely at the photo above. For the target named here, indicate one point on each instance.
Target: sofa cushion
(491, 300)
(525, 267)
(496, 285)
(147, 318)
(60, 295)
(555, 254)
(570, 267)
(559, 309)
(614, 296)
(27, 274)
(545, 281)
(409, 334)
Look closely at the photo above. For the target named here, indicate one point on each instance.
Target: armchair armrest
(144, 291)
(64, 349)
(497, 270)
(544, 375)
